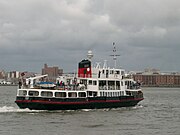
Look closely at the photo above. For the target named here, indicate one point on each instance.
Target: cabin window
(72, 94)
(22, 92)
(46, 94)
(128, 83)
(122, 83)
(111, 72)
(118, 85)
(84, 82)
(107, 72)
(90, 82)
(103, 71)
(122, 93)
(82, 94)
(128, 93)
(89, 93)
(117, 72)
(102, 85)
(94, 82)
(101, 94)
(60, 94)
(33, 93)
(111, 85)
(122, 72)
(94, 94)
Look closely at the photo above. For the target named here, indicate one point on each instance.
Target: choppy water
(158, 114)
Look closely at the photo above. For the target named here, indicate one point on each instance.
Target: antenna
(105, 64)
(114, 55)
(98, 65)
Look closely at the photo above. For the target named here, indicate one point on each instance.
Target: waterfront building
(158, 79)
(2, 74)
(53, 72)
(13, 74)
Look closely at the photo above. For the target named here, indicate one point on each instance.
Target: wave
(138, 107)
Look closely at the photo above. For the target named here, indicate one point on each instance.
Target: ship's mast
(114, 55)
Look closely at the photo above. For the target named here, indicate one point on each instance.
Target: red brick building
(158, 79)
(53, 72)
(2, 74)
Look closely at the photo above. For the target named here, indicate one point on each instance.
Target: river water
(158, 113)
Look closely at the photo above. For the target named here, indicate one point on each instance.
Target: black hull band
(76, 103)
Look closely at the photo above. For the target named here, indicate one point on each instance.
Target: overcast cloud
(60, 32)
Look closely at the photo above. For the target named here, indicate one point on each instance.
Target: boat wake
(10, 109)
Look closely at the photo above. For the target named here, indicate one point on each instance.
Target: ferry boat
(92, 88)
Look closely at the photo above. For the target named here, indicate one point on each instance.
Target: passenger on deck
(20, 84)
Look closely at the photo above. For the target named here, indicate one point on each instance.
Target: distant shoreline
(141, 86)
(161, 86)
(8, 85)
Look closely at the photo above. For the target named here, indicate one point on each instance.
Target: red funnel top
(84, 69)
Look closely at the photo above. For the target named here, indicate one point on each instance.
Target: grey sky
(60, 32)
